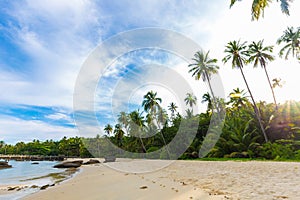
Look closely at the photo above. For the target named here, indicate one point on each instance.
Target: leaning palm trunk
(254, 105)
(143, 146)
(264, 66)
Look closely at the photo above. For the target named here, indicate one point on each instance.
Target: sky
(44, 44)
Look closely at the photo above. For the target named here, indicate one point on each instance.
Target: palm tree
(203, 68)
(124, 119)
(162, 117)
(136, 126)
(277, 82)
(238, 53)
(291, 38)
(119, 133)
(238, 98)
(151, 102)
(258, 7)
(173, 108)
(259, 54)
(108, 129)
(207, 98)
(190, 99)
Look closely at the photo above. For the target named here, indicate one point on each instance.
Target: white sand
(181, 180)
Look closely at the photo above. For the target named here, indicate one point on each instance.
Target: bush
(277, 151)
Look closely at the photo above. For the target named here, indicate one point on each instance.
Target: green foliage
(277, 151)
(240, 137)
(258, 7)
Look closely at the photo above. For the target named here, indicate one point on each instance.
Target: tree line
(252, 129)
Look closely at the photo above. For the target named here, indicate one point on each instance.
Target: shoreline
(181, 180)
(102, 181)
(35, 184)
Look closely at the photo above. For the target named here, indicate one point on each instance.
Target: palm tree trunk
(254, 105)
(163, 137)
(143, 146)
(264, 66)
(213, 95)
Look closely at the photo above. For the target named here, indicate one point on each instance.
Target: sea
(22, 172)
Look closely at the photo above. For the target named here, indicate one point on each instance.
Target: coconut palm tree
(207, 98)
(277, 82)
(119, 133)
(260, 55)
(204, 67)
(237, 52)
(124, 120)
(151, 102)
(190, 99)
(108, 129)
(238, 98)
(291, 38)
(258, 7)
(173, 108)
(162, 117)
(136, 124)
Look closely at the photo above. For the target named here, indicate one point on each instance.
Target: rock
(12, 188)
(44, 187)
(4, 164)
(35, 163)
(109, 159)
(91, 161)
(34, 186)
(143, 187)
(69, 164)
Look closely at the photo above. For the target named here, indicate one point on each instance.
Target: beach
(181, 180)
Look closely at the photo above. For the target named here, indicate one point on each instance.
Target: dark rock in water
(12, 188)
(4, 164)
(109, 159)
(35, 163)
(44, 187)
(34, 186)
(69, 164)
(91, 161)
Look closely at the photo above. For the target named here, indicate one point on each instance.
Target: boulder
(44, 187)
(91, 161)
(4, 164)
(69, 164)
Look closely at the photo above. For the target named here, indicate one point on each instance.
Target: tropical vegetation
(251, 129)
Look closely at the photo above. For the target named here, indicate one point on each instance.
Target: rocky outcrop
(69, 164)
(4, 165)
(91, 161)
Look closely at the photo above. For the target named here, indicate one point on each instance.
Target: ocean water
(19, 174)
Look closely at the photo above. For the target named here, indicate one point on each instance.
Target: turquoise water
(22, 170)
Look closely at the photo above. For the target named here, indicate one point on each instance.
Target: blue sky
(43, 45)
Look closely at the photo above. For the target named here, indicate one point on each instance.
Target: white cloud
(14, 130)
(57, 37)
